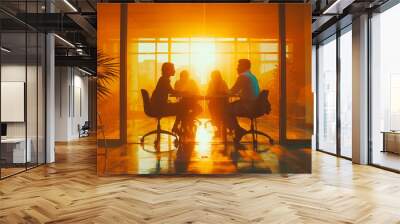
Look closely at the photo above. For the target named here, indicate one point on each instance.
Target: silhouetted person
(159, 98)
(185, 85)
(217, 90)
(246, 86)
(188, 90)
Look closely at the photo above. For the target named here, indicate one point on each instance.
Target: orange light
(204, 135)
(203, 58)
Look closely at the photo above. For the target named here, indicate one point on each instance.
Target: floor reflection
(142, 124)
(207, 154)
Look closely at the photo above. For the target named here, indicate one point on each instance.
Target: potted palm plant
(107, 72)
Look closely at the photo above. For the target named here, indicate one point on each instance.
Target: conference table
(204, 97)
(191, 97)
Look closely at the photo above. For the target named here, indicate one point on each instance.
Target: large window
(334, 92)
(385, 87)
(346, 94)
(327, 96)
(200, 56)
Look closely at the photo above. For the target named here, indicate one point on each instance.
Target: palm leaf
(107, 73)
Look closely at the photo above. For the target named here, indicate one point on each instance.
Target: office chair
(149, 111)
(261, 106)
(84, 129)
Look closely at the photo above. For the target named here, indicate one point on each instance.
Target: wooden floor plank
(69, 191)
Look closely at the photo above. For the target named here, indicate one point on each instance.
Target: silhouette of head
(168, 69)
(243, 65)
(184, 75)
(216, 75)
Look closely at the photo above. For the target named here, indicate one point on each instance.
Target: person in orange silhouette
(217, 91)
(159, 98)
(188, 91)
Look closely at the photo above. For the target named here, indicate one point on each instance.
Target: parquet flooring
(69, 191)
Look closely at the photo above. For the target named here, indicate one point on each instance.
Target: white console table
(16, 147)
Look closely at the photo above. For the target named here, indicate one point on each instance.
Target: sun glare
(196, 54)
(203, 58)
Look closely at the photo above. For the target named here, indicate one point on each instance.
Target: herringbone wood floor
(69, 191)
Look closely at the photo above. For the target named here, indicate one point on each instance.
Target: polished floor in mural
(206, 153)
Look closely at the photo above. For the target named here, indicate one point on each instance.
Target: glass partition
(22, 64)
(327, 96)
(108, 45)
(299, 99)
(15, 149)
(385, 89)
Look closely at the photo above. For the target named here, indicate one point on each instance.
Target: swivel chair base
(158, 132)
(255, 133)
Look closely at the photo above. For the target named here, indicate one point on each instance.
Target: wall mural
(204, 88)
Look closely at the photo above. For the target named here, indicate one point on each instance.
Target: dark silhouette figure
(188, 91)
(247, 88)
(159, 98)
(217, 91)
(185, 85)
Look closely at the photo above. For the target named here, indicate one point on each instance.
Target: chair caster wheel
(156, 143)
(271, 141)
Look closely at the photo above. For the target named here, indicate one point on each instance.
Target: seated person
(159, 98)
(185, 85)
(188, 89)
(246, 86)
(217, 88)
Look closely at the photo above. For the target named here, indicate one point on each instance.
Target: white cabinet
(15, 148)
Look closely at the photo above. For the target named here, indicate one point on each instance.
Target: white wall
(61, 103)
(13, 73)
(80, 110)
(71, 102)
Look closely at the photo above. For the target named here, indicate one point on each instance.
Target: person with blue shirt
(247, 88)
